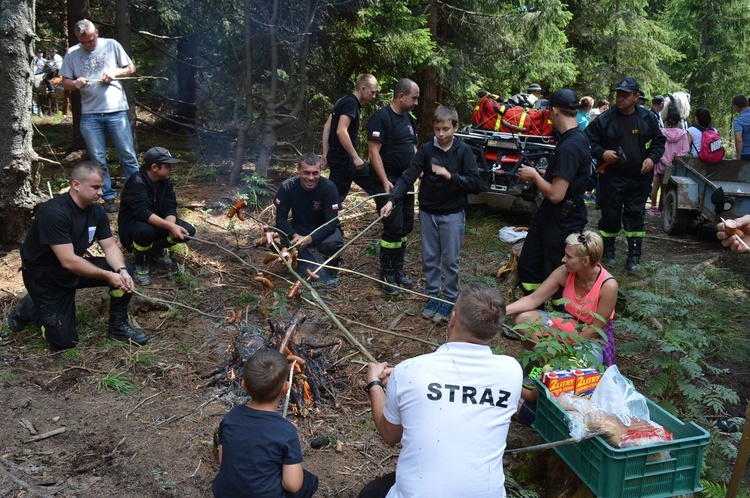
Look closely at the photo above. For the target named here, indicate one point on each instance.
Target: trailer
(696, 191)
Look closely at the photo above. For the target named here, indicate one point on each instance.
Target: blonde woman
(590, 291)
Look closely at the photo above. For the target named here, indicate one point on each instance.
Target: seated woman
(590, 291)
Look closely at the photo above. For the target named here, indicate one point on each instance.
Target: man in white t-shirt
(450, 409)
(93, 67)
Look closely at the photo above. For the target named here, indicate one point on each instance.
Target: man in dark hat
(535, 92)
(626, 143)
(147, 220)
(563, 184)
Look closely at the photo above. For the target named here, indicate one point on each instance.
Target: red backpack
(712, 147)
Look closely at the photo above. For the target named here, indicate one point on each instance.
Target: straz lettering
(467, 395)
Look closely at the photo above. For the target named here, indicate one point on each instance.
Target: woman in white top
(695, 132)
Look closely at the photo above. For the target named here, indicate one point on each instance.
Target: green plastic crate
(628, 472)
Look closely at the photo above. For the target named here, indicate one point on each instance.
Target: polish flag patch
(375, 134)
(277, 201)
(335, 207)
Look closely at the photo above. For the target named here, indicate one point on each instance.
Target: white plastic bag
(507, 234)
(615, 395)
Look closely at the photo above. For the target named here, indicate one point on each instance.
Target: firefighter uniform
(624, 189)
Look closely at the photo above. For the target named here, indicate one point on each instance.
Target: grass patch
(118, 382)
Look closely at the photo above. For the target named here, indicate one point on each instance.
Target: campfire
(313, 377)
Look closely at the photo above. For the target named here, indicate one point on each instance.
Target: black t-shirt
(255, 444)
(310, 209)
(630, 143)
(348, 105)
(572, 162)
(398, 136)
(61, 221)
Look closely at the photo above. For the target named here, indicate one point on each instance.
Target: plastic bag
(616, 396)
(507, 234)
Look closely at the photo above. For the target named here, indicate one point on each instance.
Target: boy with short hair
(259, 450)
(450, 173)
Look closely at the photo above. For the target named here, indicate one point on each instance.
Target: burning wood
(313, 376)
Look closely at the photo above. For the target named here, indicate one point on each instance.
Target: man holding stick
(93, 67)
(450, 409)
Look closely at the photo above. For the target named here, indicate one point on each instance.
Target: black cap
(564, 98)
(658, 99)
(159, 155)
(628, 84)
(52, 49)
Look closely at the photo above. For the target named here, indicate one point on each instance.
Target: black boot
(142, 271)
(160, 257)
(119, 328)
(21, 314)
(401, 277)
(633, 263)
(608, 256)
(388, 271)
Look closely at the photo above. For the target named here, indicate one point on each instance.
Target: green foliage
(258, 191)
(713, 489)
(71, 355)
(556, 348)
(117, 382)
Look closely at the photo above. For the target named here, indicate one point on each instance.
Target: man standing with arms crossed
(340, 146)
(626, 143)
(93, 67)
(450, 409)
(392, 143)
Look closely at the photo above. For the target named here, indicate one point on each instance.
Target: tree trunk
(429, 84)
(18, 196)
(244, 130)
(77, 10)
(122, 35)
(186, 87)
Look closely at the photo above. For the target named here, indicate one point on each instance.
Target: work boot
(633, 263)
(401, 277)
(142, 271)
(608, 256)
(388, 271)
(22, 314)
(160, 258)
(119, 328)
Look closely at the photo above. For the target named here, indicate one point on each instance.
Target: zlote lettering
(468, 395)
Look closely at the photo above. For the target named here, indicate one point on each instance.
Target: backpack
(712, 147)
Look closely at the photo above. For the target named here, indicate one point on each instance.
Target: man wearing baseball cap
(626, 143)
(535, 92)
(563, 184)
(147, 219)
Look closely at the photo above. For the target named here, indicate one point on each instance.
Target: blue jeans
(94, 128)
(442, 238)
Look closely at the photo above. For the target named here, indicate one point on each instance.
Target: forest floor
(157, 440)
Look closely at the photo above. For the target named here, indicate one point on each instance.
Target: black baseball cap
(564, 98)
(628, 84)
(159, 155)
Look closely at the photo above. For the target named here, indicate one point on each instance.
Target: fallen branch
(31, 489)
(141, 403)
(46, 435)
(553, 444)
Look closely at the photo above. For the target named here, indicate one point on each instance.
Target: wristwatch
(121, 268)
(373, 384)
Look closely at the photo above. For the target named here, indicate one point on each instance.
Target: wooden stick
(141, 403)
(46, 435)
(298, 318)
(742, 456)
(30, 488)
(747, 248)
(289, 391)
(553, 444)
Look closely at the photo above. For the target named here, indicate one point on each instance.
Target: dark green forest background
(274, 68)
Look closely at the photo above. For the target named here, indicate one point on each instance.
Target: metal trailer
(499, 154)
(696, 191)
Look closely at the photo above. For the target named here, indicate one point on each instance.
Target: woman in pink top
(590, 291)
(678, 144)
